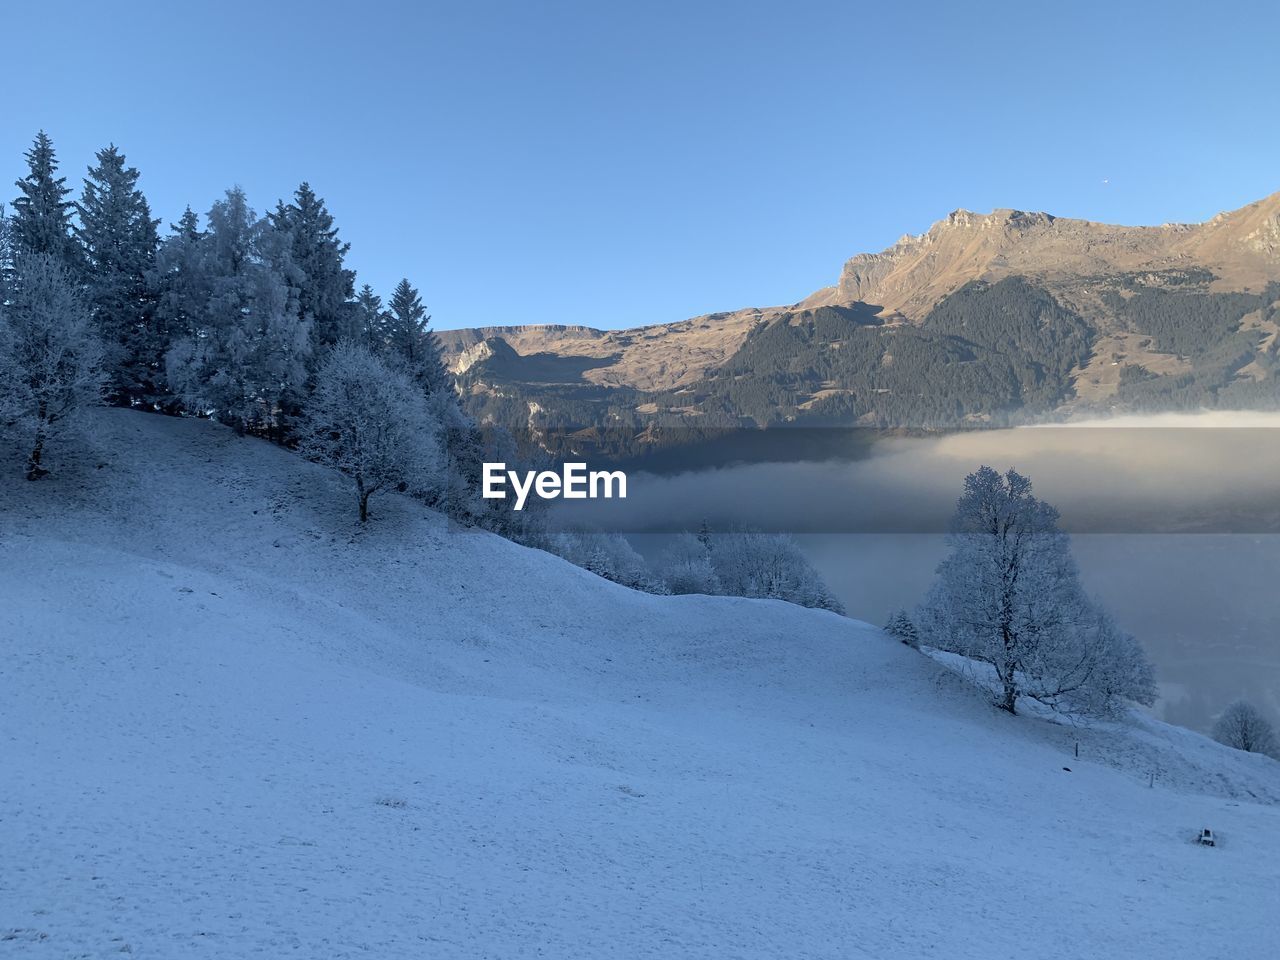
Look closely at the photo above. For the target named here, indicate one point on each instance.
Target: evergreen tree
(901, 627)
(325, 285)
(371, 319)
(42, 212)
(240, 351)
(180, 288)
(6, 246)
(409, 338)
(120, 241)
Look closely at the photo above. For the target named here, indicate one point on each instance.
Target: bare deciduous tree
(1243, 727)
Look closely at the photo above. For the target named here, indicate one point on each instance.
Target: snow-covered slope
(234, 723)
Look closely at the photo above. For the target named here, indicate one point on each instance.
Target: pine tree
(42, 212)
(240, 351)
(180, 289)
(371, 319)
(325, 285)
(409, 338)
(120, 241)
(901, 627)
(50, 357)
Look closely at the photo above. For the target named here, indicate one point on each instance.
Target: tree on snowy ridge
(1243, 727)
(239, 345)
(325, 285)
(119, 239)
(687, 568)
(50, 357)
(42, 213)
(1008, 595)
(369, 421)
(901, 627)
(749, 563)
(409, 338)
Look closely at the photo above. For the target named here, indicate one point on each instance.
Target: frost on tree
(749, 563)
(50, 357)
(1243, 727)
(119, 239)
(316, 257)
(745, 563)
(901, 627)
(407, 337)
(240, 344)
(687, 567)
(608, 555)
(1008, 595)
(371, 422)
(42, 212)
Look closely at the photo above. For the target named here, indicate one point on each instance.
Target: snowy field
(235, 724)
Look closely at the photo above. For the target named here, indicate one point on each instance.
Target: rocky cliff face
(1241, 249)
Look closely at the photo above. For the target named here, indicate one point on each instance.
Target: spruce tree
(410, 339)
(371, 319)
(42, 213)
(120, 240)
(239, 353)
(325, 285)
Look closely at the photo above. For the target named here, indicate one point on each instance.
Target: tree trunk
(1010, 700)
(34, 470)
(364, 498)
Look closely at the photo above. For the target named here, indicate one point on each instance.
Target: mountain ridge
(1109, 276)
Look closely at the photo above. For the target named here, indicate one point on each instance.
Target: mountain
(238, 723)
(983, 318)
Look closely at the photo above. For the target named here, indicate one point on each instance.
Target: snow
(234, 723)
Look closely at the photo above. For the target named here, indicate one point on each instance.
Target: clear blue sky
(617, 164)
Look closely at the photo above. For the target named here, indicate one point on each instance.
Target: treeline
(256, 322)
(735, 563)
(250, 320)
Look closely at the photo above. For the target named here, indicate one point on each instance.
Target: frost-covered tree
(6, 245)
(1008, 595)
(753, 564)
(180, 290)
(608, 555)
(1243, 727)
(686, 566)
(50, 357)
(902, 627)
(240, 352)
(409, 338)
(371, 318)
(369, 420)
(42, 212)
(119, 239)
(325, 285)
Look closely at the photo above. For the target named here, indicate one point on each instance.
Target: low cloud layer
(1210, 473)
